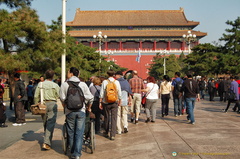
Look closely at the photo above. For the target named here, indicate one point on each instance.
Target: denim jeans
(190, 107)
(202, 94)
(75, 128)
(177, 105)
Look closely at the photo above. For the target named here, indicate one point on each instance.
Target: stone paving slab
(215, 135)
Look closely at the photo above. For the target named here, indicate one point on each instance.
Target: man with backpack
(110, 99)
(177, 100)
(75, 95)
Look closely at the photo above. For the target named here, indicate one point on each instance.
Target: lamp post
(99, 37)
(164, 52)
(109, 52)
(63, 58)
(189, 38)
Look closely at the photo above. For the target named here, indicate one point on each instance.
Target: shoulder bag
(39, 108)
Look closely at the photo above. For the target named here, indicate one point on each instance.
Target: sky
(212, 14)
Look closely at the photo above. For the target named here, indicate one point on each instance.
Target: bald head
(135, 72)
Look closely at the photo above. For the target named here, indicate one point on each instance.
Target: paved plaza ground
(215, 135)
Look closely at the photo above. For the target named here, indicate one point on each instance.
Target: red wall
(129, 61)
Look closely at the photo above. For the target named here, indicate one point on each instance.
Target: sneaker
(132, 120)
(24, 123)
(193, 123)
(125, 130)
(17, 124)
(152, 121)
(136, 121)
(146, 121)
(119, 133)
(105, 134)
(46, 147)
(112, 138)
(224, 110)
(3, 125)
(175, 115)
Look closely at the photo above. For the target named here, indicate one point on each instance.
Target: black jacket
(190, 88)
(20, 90)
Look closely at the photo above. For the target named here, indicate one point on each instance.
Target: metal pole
(100, 49)
(164, 63)
(63, 64)
(189, 47)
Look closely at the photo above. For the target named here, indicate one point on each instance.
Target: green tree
(16, 3)
(231, 50)
(203, 60)
(157, 68)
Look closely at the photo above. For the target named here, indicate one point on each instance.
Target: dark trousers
(235, 107)
(165, 103)
(97, 111)
(19, 112)
(211, 95)
(110, 118)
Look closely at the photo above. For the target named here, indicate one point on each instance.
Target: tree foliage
(28, 44)
(16, 3)
(157, 68)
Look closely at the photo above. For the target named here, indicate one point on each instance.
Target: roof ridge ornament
(181, 9)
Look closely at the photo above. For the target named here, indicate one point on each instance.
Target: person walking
(50, 96)
(234, 88)
(95, 90)
(75, 119)
(211, 89)
(20, 95)
(30, 95)
(165, 89)
(137, 86)
(110, 109)
(191, 93)
(177, 100)
(152, 97)
(201, 85)
(122, 118)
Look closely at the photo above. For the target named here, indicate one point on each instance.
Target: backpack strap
(73, 84)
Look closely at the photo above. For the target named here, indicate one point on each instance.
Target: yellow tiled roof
(135, 33)
(131, 18)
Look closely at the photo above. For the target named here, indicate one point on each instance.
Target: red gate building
(132, 31)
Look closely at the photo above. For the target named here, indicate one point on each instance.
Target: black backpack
(178, 87)
(75, 97)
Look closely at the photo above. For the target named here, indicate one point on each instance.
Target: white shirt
(152, 91)
(165, 87)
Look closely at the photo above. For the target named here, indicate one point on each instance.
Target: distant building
(129, 31)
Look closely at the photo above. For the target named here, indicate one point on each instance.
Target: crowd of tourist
(112, 117)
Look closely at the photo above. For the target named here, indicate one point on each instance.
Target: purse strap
(41, 92)
(150, 90)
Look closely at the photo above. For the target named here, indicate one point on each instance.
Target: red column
(169, 45)
(106, 45)
(183, 45)
(154, 45)
(140, 45)
(120, 45)
(91, 44)
(77, 42)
